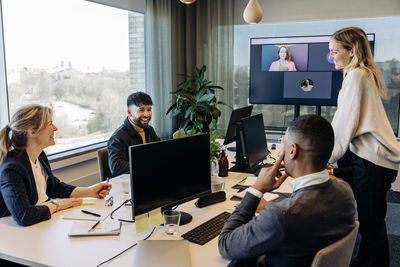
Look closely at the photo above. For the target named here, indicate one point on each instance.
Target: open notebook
(109, 227)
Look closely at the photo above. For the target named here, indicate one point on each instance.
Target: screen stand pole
(318, 109)
(296, 111)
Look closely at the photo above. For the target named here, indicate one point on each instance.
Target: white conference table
(48, 244)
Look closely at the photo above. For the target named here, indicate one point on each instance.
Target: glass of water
(171, 221)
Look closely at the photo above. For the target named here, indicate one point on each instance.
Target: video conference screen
(294, 70)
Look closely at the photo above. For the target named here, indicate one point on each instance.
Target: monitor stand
(255, 170)
(245, 169)
(185, 218)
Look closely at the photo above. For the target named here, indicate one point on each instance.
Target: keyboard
(208, 230)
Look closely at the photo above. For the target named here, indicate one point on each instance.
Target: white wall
(306, 10)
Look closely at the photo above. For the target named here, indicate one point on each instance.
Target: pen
(91, 213)
(108, 181)
(91, 228)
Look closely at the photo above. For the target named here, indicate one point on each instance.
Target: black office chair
(102, 161)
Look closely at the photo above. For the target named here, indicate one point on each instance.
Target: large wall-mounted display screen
(294, 70)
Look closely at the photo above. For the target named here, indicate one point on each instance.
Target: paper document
(267, 196)
(285, 187)
(250, 180)
(109, 227)
(78, 215)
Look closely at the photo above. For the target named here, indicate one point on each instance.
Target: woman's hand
(67, 203)
(63, 204)
(99, 190)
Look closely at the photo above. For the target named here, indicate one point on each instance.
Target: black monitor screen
(253, 140)
(236, 115)
(294, 70)
(168, 173)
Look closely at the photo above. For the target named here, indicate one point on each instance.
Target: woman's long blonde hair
(15, 133)
(356, 39)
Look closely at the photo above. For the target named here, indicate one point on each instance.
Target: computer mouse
(273, 146)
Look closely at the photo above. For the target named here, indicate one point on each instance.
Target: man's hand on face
(271, 178)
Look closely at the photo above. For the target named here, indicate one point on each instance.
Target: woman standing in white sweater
(364, 140)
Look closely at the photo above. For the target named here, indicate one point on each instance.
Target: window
(387, 56)
(82, 59)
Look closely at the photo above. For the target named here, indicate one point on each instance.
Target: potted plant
(196, 108)
(196, 102)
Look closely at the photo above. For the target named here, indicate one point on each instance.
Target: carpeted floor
(393, 228)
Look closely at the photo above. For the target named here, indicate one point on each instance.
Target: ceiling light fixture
(188, 2)
(252, 13)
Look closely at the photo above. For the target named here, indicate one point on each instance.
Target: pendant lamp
(252, 13)
(188, 1)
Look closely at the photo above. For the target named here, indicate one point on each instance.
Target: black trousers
(370, 185)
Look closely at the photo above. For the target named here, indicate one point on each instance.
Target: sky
(83, 33)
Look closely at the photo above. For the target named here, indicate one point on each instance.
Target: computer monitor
(236, 115)
(251, 144)
(167, 173)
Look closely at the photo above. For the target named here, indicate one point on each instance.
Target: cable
(125, 250)
(117, 208)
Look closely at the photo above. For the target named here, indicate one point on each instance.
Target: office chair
(102, 161)
(337, 254)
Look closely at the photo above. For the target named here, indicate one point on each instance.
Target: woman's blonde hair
(15, 133)
(288, 57)
(356, 39)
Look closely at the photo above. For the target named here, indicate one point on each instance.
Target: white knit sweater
(360, 122)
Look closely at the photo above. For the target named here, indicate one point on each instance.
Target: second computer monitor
(236, 115)
(251, 144)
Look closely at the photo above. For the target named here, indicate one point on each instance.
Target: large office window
(78, 57)
(387, 56)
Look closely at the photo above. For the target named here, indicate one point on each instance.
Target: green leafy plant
(196, 102)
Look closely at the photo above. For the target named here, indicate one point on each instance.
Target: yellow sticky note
(142, 223)
(88, 201)
(156, 217)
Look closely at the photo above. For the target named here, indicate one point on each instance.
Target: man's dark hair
(139, 98)
(314, 135)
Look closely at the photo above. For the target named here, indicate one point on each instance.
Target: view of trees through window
(386, 55)
(80, 58)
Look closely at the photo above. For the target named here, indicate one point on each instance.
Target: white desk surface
(47, 243)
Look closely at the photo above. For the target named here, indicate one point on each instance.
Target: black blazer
(18, 194)
(119, 142)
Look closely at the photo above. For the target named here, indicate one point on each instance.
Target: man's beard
(138, 123)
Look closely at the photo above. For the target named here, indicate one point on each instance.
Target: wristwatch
(55, 202)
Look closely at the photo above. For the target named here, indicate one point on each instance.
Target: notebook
(166, 253)
(109, 227)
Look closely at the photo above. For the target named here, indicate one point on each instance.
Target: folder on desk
(109, 227)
